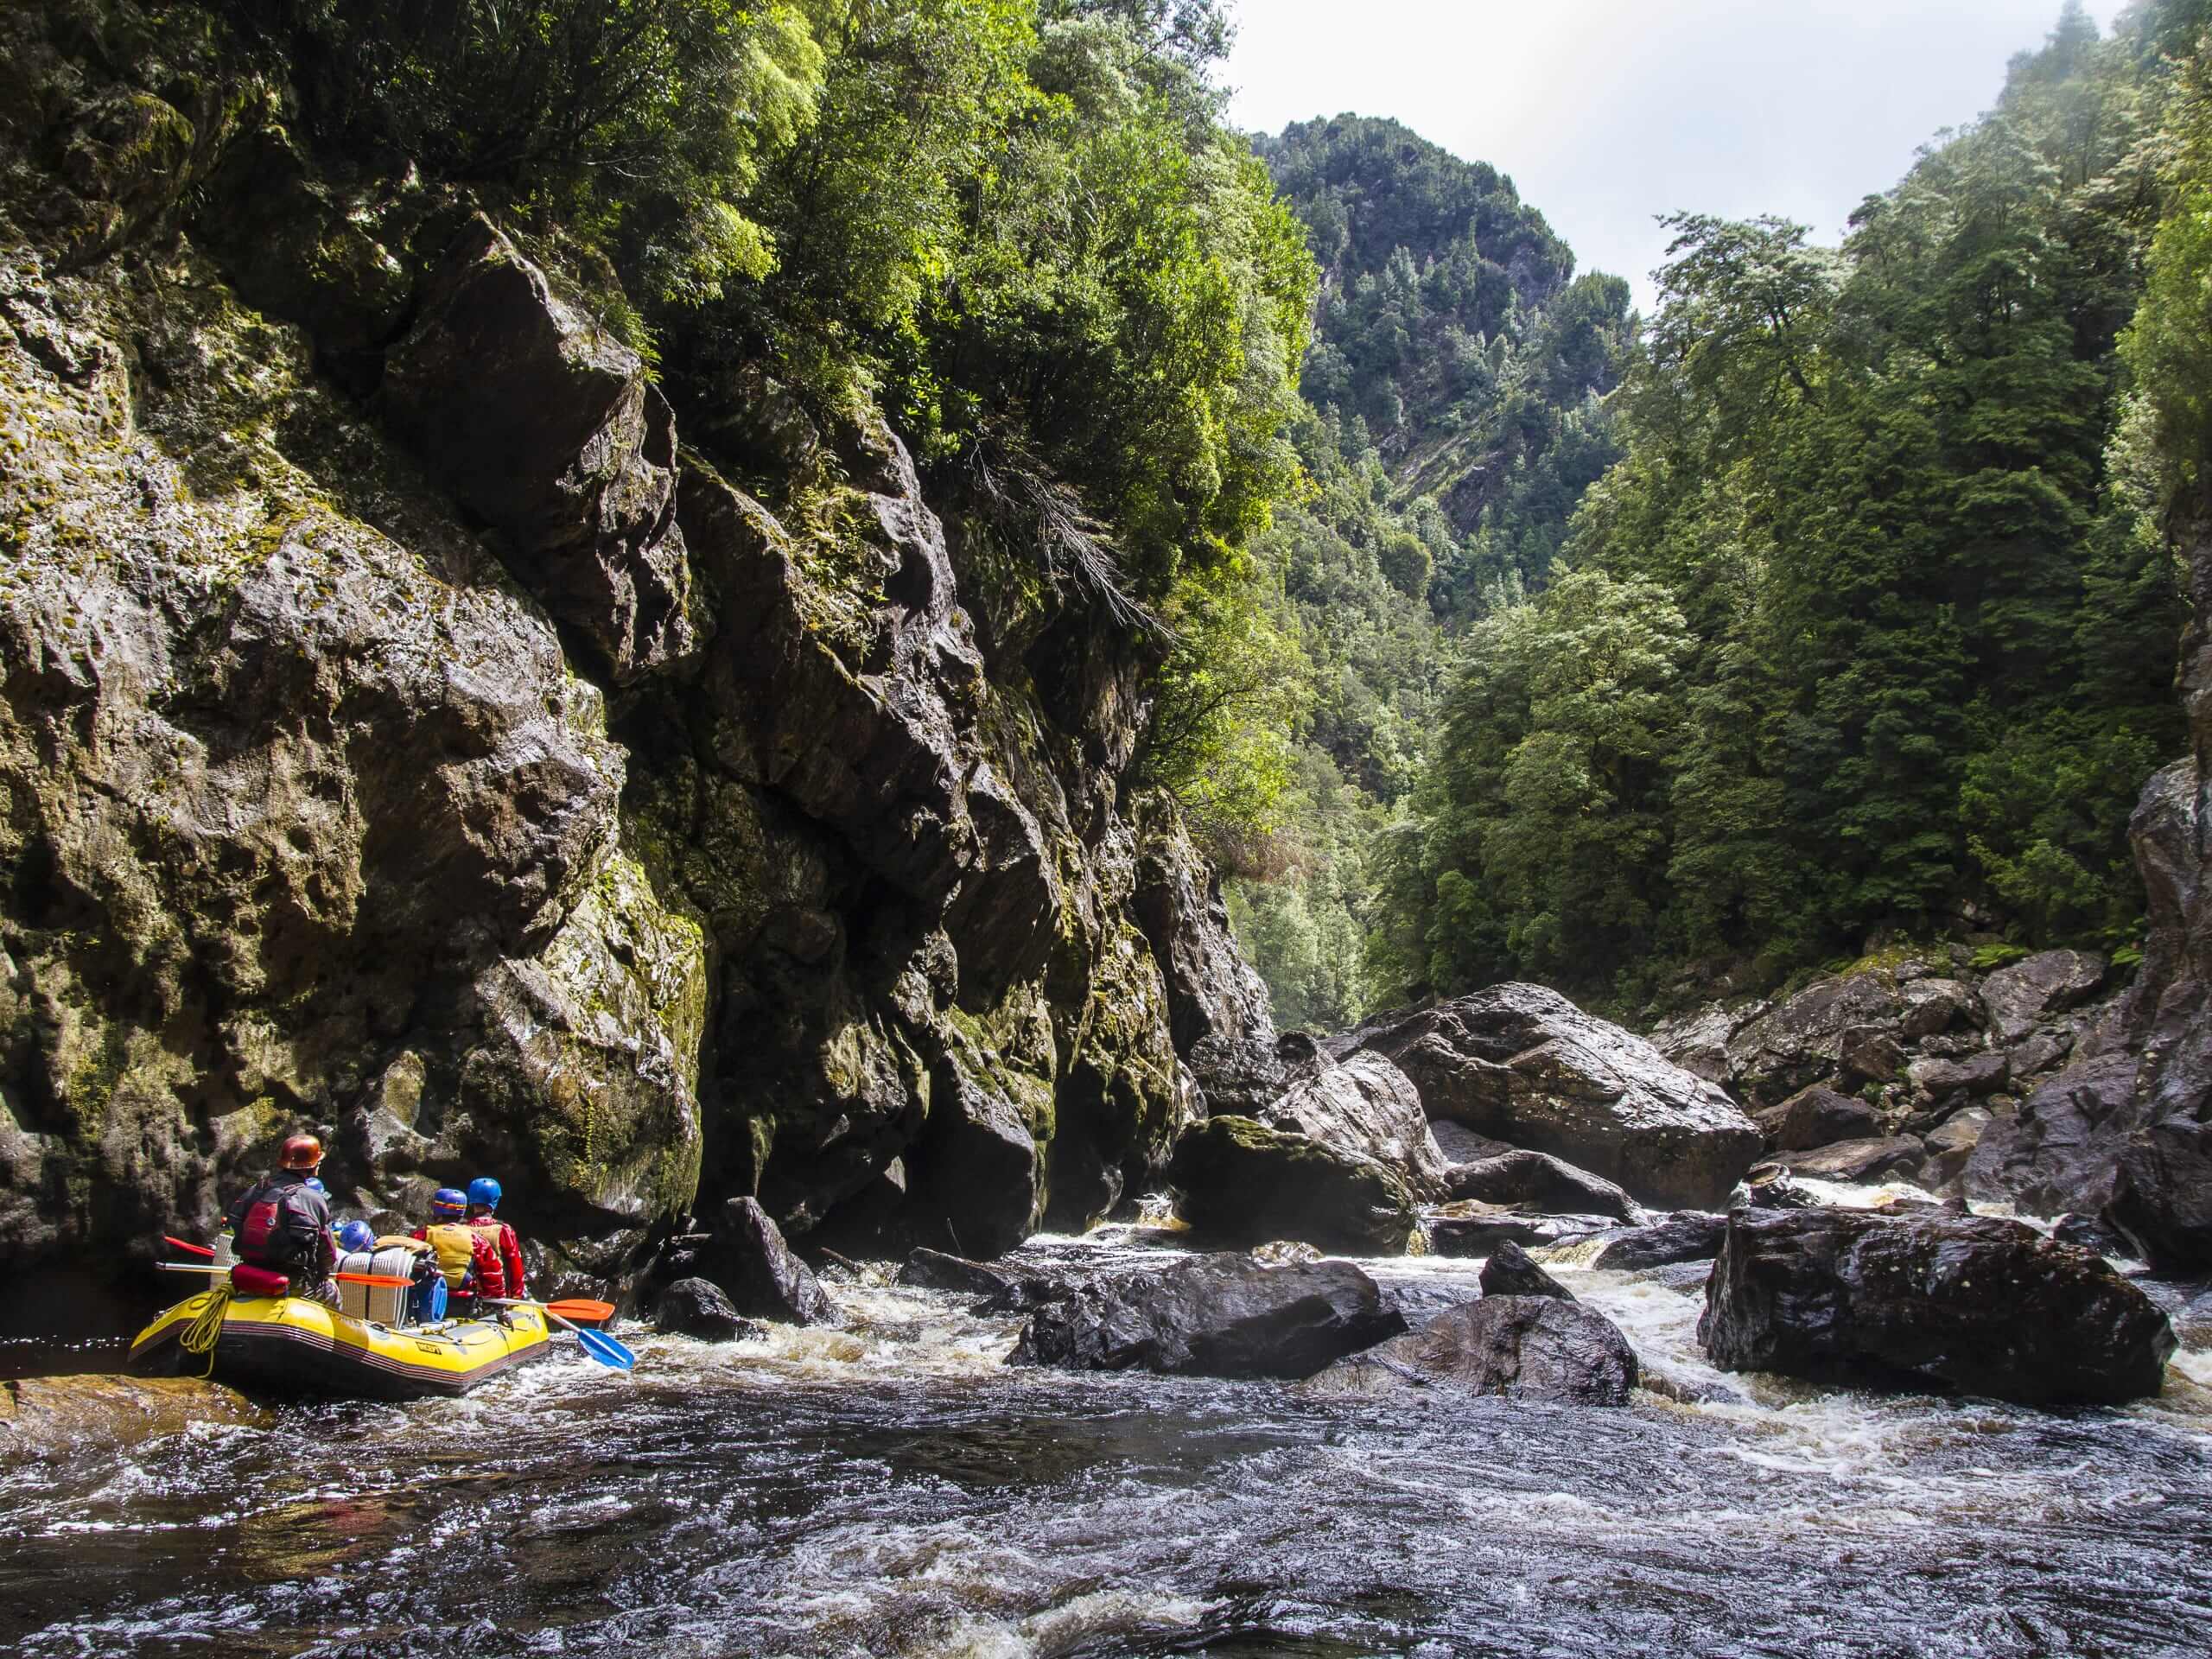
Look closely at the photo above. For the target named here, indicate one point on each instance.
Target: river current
(894, 1489)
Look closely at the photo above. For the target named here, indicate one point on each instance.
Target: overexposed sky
(1605, 112)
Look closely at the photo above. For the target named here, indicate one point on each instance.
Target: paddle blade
(604, 1348)
(582, 1308)
(372, 1279)
(186, 1246)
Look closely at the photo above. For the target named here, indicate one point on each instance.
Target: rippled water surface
(893, 1490)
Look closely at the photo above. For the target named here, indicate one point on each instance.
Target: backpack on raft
(278, 1235)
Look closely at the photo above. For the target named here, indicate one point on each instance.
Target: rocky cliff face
(404, 731)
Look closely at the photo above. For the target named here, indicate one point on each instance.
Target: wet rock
(1530, 1348)
(2038, 1052)
(43, 1416)
(1984, 1074)
(1218, 1005)
(1801, 1041)
(1523, 1064)
(1698, 1042)
(1951, 1143)
(696, 1307)
(1216, 1316)
(2091, 1234)
(1461, 1144)
(1510, 1271)
(541, 420)
(2163, 1197)
(1934, 1006)
(1768, 1186)
(747, 1257)
(1678, 1275)
(1006, 1288)
(2058, 1152)
(1242, 1183)
(1869, 1054)
(1367, 1106)
(1816, 1116)
(1687, 1236)
(1473, 1229)
(1983, 1305)
(1874, 1159)
(2049, 983)
(1536, 1181)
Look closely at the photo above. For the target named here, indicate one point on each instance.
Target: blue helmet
(356, 1235)
(314, 1185)
(448, 1201)
(485, 1192)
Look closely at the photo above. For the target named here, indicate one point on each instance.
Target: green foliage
(638, 123)
(1891, 523)
(1988, 958)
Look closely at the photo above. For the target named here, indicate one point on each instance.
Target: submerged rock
(1535, 1348)
(1242, 1183)
(42, 1415)
(1511, 1271)
(1523, 1064)
(1216, 1316)
(1983, 1305)
(1469, 1228)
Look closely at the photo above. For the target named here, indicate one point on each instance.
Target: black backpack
(279, 1229)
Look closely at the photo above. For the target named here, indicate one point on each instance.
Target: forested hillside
(1869, 633)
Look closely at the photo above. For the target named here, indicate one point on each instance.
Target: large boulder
(1536, 1348)
(1873, 1158)
(697, 1308)
(1241, 1182)
(1471, 1227)
(1802, 1041)
(1536, 1180)
(1523, 1064)
(2059, 1153)
(1686, 1235)
(1216, 1316)
(2018, 997)
(1368, 1107)
(1815, 1115)
(1980, 1305)
(2162, 1195)
(1511, 1271)
(746, 1255)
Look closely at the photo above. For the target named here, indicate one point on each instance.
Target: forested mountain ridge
(1870, 632)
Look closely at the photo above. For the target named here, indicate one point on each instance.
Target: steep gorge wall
(402, 731)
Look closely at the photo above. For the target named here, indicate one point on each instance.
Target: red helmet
(300, 1151)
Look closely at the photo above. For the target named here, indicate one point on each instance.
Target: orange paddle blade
(580, 1308)
(372, 1279)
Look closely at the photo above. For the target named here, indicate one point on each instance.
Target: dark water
(892, 1491)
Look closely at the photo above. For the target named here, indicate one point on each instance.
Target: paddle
(186, 1245)
(343, 1278)
(600, 1346)
(580, 1308)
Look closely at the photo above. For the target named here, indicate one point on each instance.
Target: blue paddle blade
(604, 1348)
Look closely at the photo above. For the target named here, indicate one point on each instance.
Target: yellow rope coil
(207, 1327)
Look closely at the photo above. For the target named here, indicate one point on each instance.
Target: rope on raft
(207, 1327)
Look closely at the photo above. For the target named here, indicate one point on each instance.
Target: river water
(894, 1489)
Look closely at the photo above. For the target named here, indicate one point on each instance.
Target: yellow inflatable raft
(294, 1345)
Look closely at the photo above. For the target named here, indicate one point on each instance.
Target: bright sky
(1605, 112)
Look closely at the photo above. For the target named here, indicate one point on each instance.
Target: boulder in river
(1971, 1303)
(747, 1257)
(1816, 1116)
(1522, 1347)
(1538, 1181)
(2049, 983)
(1366, 1106)
(1470, 1228)
(1874, 1159)
(1511, 1271)
(696, 1307)
(1686, 1235)
(1223, 1315)
(1242, 1183)
(1522, 1064)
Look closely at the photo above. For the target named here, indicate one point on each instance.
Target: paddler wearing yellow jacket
(469, 1261)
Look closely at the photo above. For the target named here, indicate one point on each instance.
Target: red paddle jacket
(508, 1248)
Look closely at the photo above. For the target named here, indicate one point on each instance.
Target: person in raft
(469, 1261)
(483, 1201)
(281, 1229)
